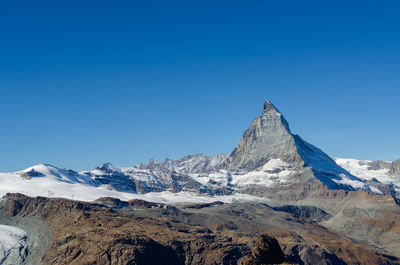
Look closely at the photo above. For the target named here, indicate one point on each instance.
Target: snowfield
(272, 173)
(10, 237)
(50, 181)
(161, 185)
(363, 170)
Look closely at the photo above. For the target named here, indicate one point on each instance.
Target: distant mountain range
(268, 158)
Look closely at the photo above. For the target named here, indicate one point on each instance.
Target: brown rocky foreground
(110, 231)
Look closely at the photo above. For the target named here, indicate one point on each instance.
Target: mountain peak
(268, 107)
(108, 167)
(268, 137)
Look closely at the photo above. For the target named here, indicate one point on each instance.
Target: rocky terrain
(275, 198)
(110, 231)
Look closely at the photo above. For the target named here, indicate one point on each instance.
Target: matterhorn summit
(268, 137)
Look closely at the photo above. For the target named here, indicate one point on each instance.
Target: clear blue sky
(86, 82)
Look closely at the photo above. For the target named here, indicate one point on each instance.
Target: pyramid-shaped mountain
(269, 137)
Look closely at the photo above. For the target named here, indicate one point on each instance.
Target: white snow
(55, 173)
(275, 171)
(50, 181)
(10, 237)
(220, 178)
(361, 169)
(190, 197)
(261, 178)
(50, 186)
(274, 164)
(358, 185)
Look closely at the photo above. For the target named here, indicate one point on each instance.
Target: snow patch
(361, 169)
(10, 237)
(275, 164)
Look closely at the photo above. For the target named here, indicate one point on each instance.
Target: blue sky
(86, 82)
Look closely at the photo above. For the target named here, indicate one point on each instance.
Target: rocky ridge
(138, 233)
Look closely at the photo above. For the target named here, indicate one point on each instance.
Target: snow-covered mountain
(189, 164)
(268, 157)
(384, 175)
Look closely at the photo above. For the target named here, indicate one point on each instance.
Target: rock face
(395, 170)
(266, 251)
(189, 164)
(268, 137)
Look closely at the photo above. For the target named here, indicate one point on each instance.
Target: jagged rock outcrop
(395, 170)
(377, 165)
(265, 251)
(153, 177)
(310, 212)
(189, 164)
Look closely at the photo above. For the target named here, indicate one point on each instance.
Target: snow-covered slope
(373, 171)
(153, 185)
(50, 181)
(10, 238)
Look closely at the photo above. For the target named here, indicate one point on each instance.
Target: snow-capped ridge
(373, 172)
(267, 158)
(108, 167)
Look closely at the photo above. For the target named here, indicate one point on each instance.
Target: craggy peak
(269, 107)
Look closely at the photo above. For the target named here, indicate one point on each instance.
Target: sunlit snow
(10, 237)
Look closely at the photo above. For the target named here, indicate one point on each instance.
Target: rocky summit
(274, 199)
(267, 138)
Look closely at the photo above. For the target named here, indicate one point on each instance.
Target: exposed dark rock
(202, 205)
(112, 202)
(395, 170)
(31, 174)
(310, 212)
(266, 251)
